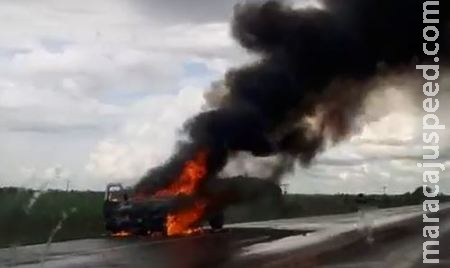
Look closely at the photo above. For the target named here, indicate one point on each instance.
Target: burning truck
(124, 216)
(163, 211)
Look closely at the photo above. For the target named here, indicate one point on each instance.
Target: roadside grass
(303, 205)
(22, 222)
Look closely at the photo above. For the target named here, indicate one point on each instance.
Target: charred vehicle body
(131, 215)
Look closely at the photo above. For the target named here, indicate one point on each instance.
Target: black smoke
(312, 63)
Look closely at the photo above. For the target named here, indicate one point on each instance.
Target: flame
(181, 223)
(121, 234)
(194, 171)
(187, 183)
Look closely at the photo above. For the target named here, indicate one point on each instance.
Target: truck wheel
(216, 221)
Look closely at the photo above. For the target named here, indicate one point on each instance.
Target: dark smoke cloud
(240, 189)
(310, 81)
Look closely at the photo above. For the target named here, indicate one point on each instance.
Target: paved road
(405, 251)
(204, 250)
(255, 244)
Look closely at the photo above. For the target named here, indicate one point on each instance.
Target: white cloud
(146, 138)
(83, 81)
(383, 154)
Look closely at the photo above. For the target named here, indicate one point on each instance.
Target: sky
(98, 93)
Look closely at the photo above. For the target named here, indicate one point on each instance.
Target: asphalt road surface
(203, 250)
(400, 247)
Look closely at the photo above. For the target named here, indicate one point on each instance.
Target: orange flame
(180, 223)
(121, 234)
(194, 171)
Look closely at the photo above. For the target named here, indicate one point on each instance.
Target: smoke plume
(309, 83)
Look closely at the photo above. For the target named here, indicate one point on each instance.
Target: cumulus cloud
(79, 74)
(146, 139)
(384, 153)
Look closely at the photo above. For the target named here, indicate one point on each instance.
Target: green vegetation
(25, 222)
(301, 205)
(22, 222)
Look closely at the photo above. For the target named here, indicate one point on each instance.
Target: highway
(403, 252)
(203, 250)
(375, 238)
